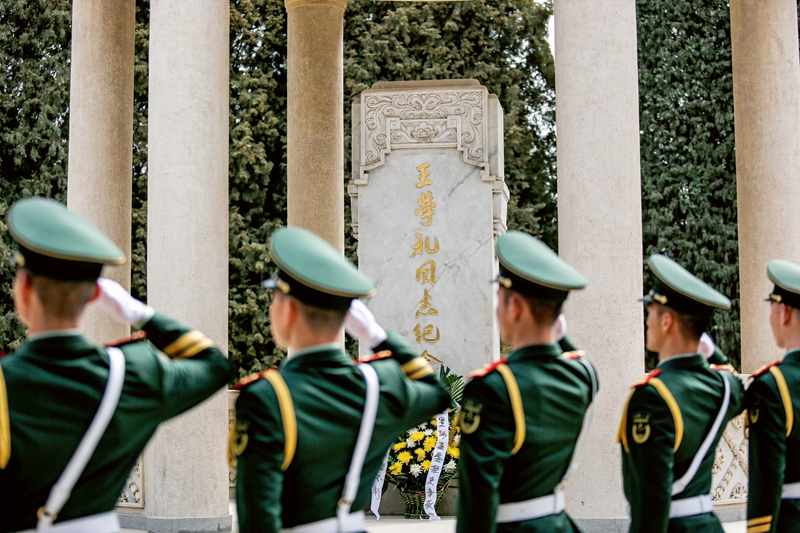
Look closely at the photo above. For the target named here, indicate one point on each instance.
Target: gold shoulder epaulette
(252, 378)
(376, 356)
(645, 380)
(764, 368)
(5, 426)
(574, 354)
(135, 337)
(729, 368)
(485, 370)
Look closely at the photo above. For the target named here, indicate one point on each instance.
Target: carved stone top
(447, 116)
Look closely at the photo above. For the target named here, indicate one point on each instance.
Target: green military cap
(313, 271)
(58, 243)
(681, 290)
(529, 267)
(786, 277)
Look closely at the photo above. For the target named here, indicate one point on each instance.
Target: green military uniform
(773, 407)
(51, 388)
(670, 414)
(521, 417)
(296, 428)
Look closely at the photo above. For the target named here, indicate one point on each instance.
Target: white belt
(791, 491)
(691, 506)
(351, 523)
(96, 523)
(530, 509)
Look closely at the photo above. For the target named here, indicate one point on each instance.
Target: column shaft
(766, 97)
(101, 132)
(186, 475)
(315, 128)
(600, 224)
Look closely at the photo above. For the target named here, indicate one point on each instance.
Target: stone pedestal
(185, 473)
(600, 228)
(766, 98)
(428, 197)
(101, 133)
(315, 121)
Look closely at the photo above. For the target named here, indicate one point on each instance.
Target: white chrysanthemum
(428, 432)
(415, 470)
(456, 439)
(411, 443)
(450, 465)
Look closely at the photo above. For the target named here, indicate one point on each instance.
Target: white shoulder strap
(682, 483)
(353, 477)
(576, 457)
(61, 491)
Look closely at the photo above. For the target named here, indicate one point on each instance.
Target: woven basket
(415, 500)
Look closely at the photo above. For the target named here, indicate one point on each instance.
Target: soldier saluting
(74, 417)
(674, 418)
(773, 407)
(521, 416)
(311, 437)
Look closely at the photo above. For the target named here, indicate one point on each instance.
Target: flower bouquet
(414, 453)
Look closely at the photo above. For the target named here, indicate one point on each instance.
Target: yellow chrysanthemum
(426, 465)
(454, 452)
(420, 454)
(399, 446)
(404, 457)
(429, 443)
(433, 421)
(396, 468)
(418, 436)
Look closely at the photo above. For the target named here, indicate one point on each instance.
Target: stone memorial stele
(428, 198)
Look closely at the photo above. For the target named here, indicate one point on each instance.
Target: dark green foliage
(34, 97)
(502, 44)
(687, 148)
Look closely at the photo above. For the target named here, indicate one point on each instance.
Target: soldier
(59, 383)
(773, 404)
(312, 436)
(674, 418)
(521, 416)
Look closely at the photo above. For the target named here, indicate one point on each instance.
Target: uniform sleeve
(566, 345)
(417, 368)
(487, 438)
(259, 449)
(737, 404)
(767, 423)
(718, 357)
(197, 368)
(647, 465)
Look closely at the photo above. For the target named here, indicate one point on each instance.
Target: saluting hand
(706, 346)
(116, 302)
(560, 327)
(360, 324)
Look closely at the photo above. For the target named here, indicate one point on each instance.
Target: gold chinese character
(417, 247)
(424, 304)
(423, 173)
(429, 357)
(426, 334)
(427, 275)
(425, 209)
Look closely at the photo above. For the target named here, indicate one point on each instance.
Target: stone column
(101, 133)
(185, 467)
(766, 98)
(600, 228)
(315, 121)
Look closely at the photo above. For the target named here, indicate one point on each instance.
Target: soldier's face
(22, 290)
(502, 313)
(775, 323)
(653, 333)
(278, 319)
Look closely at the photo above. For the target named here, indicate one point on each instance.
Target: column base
(152, 524)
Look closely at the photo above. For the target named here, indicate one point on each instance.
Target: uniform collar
(535, 350)
(792, 356)
(687, 360)
(64, 344)
(319, 355)
(73, 332)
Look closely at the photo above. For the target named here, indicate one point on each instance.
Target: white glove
(560, 327)
(706, 346)
(116, 302)
(360, 324)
